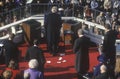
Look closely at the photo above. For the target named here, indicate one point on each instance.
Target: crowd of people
(108, 62)
(34, 55)
(104, 12)
(98, 11)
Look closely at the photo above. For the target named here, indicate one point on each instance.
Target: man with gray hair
(81, 49)
(103, 72)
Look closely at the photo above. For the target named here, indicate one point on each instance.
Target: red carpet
(60, 70)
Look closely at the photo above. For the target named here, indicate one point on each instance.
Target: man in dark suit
(11, 50)
(109, 48)
(53, 25)
(34, 52)
(81, 48)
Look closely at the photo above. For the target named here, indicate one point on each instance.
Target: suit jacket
(11, 51)
(102, 76)
(36, 53)
(81, 48)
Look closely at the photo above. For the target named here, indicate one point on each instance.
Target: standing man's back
(81, 49)
(34, 52)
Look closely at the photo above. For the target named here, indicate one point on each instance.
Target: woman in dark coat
(53, 25)
(81, 48)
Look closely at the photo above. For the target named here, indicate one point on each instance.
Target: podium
(66, 34)
(31, 29)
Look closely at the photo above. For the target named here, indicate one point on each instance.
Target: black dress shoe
(54, 54)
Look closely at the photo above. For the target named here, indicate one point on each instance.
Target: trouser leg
(80, 76)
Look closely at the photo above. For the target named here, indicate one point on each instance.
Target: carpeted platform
(56, 67)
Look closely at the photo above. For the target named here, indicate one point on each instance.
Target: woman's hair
(33, 63)
(7, 74)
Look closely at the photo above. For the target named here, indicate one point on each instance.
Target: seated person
(7, 74)
(103, 73)
(12, 67)
(102, 60)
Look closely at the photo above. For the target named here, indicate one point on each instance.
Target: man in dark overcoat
(109, 48)
(53, 25)
(11, 50)
(34, 52)
(81, 48)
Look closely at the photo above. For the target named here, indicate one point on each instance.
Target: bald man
(103, 72)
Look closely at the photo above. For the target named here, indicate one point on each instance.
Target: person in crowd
(117, 67)
(114, 25)
(9, 5)
(18, 3)
(34, 52)
(6, 75)
(81, 9)
(94, 7)
(100, 5)
(118, 19)
(52, 1)
(14, 69)
(66, 2)
(118, 32)
(109, 48)
(116, 6)
(107, 5)
(11, 50)
(108, 19)
(103, 73)
(74, 2)
(7, 19)
(100, 19)
(81, 49)
(102, 61)
(32, 72)
(68, 11)
(1, 6)
(53, 24)
(87, 13)
(76, 9)
(94, 4)
(88, 2)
